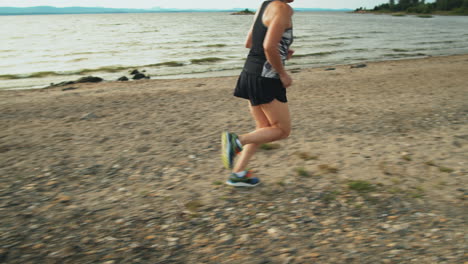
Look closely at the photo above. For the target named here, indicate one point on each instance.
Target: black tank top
(256, 60)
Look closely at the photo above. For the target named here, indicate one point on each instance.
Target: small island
(420, 8)
(244, 12)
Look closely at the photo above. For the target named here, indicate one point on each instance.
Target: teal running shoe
(245, 181)
(229, 148)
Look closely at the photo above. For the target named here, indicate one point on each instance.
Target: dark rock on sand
(89, 79)
(123, 79)
(69, 88)
(139, 76)
(62, 84)
(358, 66)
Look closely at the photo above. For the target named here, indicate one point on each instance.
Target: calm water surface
(38, 50)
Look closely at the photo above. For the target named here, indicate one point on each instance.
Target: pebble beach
(375, 170)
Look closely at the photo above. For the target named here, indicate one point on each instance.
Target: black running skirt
(257, 89)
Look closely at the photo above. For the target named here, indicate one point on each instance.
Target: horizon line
(155, 9)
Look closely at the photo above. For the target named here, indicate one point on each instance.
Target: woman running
(263, 82)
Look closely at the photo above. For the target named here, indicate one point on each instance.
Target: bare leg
(273, 123)
(261, 121)
(277, 114)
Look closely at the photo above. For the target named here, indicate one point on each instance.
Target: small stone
(200, 242)
(287, 250)
(86, 240)
(172, 239)
(150, 237)
(226, 238)
(313, 255)
(50, 183)
(330, 69)
(273, 232)
(397, 228)
(220, 227)
(89, 116)
(262, 216)
(208, 250)
(63, 198)
(38, 246)
(385, 226)
(123, 79)
(328, 222)
(359, 238)
(244, 238)
(134, 245)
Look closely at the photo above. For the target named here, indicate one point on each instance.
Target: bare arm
(278, 20)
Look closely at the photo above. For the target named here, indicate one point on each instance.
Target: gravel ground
(375, 171)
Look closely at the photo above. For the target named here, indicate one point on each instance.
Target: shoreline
(402, 13)
(232, 72)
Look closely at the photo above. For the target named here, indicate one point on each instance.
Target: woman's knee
(285, 133)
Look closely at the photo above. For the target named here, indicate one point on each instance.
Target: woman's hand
(290, 53)
(286, 79)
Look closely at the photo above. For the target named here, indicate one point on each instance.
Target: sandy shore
(129, 172)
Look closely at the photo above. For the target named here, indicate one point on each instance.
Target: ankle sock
(240, 174)
(239, 145)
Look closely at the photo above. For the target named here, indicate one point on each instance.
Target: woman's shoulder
(281, 7)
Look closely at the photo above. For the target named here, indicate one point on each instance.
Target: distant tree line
(459, 7)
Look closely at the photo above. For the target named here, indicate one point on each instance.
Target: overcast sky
(191, 4)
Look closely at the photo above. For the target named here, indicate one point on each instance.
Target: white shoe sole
(241, 184)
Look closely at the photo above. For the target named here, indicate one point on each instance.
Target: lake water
(38, 50)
